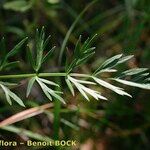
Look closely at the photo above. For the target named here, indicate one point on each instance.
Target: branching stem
(54, 74)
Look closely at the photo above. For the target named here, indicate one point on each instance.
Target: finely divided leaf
(81, 53)
(6, 94)
(130, 83)
(3, 62)
(39, 48)
(16, 98)
(48, 82)
(140, 78)
(70, 86)
(16, 49)
(83, 89)
(109, 63)
(41, 44)
(48, 55)
(112, 62)
(134, 71)
(11, 64)
(30, 57)
(12, 95)
(30, 85)
(47, 91)
(124, 59)
(107, 70)
(107, 85)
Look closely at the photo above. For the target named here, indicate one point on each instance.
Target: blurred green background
(123, 26)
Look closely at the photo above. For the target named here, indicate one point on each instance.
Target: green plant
(82, 52)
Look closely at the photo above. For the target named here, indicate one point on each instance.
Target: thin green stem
(14, 76)
(71, 29)
(54, 74)
(57, 109)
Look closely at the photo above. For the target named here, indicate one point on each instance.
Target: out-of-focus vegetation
(123, 26)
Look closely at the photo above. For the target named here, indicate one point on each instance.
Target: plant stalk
(54, 74)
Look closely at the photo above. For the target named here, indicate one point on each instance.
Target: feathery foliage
(82, 52)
